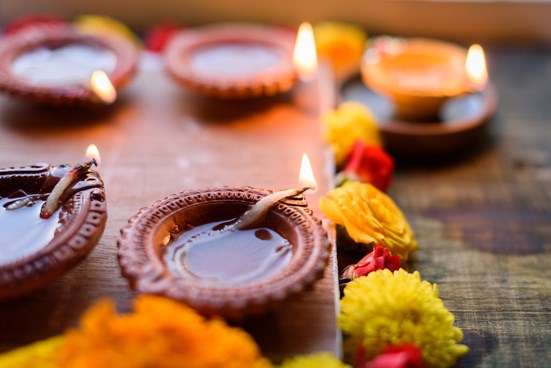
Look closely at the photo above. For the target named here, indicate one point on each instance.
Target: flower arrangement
(341, 44)
(388, 308)
(368, 163)
(316, 360)
(159, 333)
(390, 318)
(105, 26)
(370, 217)
(350, 122)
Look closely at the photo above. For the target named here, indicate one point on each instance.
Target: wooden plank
(158, 140)
(482, 218)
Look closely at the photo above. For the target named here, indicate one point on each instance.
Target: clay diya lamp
(418, 75)
(45, 230)
(191, 247)
(233, 61)
(59, 66)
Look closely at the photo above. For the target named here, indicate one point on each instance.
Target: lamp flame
(475, 66)
(305, 57)
(306, 176)
(102, 87)
(92, 152)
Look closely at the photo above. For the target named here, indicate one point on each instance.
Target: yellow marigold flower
(316, 360)
(105, 26)
(40, 354)
(350, 122)
(385, 308)
(370, 217)
(160, 333)
(342, 44)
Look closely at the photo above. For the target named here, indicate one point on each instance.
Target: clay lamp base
(35, 250)
(53, 65)
(233, 61)
(418, 75)
(460, 124)
(178, 247)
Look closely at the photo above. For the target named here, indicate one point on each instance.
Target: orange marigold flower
(160, 333)
(370, 217)
(342, 44)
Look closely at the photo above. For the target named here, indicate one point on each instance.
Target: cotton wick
(53, 202)
(257, 212)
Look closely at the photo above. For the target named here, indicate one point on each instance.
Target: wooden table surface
(482, 218)
(158, 140)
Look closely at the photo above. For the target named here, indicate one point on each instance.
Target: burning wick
(257, 212)
(67, 181)
(476, 69)
(101, 86)
(54, 199)
(305, 56)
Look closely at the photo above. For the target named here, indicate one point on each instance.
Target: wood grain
(157, 140)
(482, 218)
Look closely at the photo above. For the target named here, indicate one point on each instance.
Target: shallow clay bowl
(141, 242)
(54, 37)
(80, 224)
(418, 74)
(233, 61)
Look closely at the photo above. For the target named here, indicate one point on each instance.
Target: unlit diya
(233, 61)
(36, 244)
(54, 65)
(187, 247)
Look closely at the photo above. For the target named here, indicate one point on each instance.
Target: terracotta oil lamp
(50, 218)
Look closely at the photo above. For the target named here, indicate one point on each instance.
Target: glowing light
(306, 176)
(475, 66)
(92, 152)
(305, 57)
(102, 87)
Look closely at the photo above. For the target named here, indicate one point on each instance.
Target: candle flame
(306, 176)
(305, 57)
(102, 87)
(92, 152)
(475, 66)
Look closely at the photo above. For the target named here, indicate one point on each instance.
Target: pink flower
(158, 37)
(369, 163)
(398, 356)
(379, 259)
(393, 356)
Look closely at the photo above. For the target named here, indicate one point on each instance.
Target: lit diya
(420, 75)
(60, 66)
(431, 100)
(226, 251)
(50, 218)
(233, 61)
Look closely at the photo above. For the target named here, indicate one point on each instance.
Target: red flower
(398, 356)
(369, 163)
(158, 37)
(379, 259)
(29, 21)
